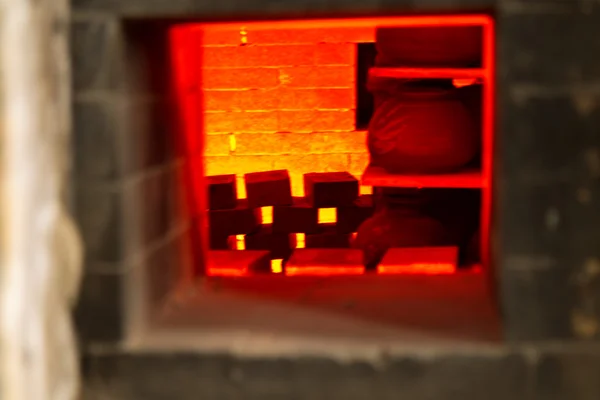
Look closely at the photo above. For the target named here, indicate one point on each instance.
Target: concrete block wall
(128, 182)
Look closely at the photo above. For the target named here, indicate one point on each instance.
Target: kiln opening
(285, 172)
(341, 164)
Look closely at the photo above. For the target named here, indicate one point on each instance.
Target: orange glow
(257, 96)
(327, 215)
(300, 240)
(418, 268)
(276, 266)
(224, 271)
(419, 260)
(240, 243)
(323, 271)
(488, 138)
(464, 82)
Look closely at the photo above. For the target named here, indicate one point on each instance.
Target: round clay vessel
(422, 129)
(401, 222)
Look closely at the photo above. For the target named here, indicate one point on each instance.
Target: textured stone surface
(547, 58)
(93, 56)
(148, 138)
(190, 376)
(96, 141)
(270, 7)
(99, 214)
(99, 313)
(546, 186)
(537, 303)
(568, 375)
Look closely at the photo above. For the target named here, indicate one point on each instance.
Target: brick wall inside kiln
(281, 99)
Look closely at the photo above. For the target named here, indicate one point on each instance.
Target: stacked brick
(230, 217)
(275, 99)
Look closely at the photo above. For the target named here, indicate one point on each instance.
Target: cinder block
(330, 189)
(419, 260)
(279, 245)
(325, 262)
(222, 194)
(237, 262)
(327, 238)
(299, 217)
(349, 218)
(237, 221)
(269, 188)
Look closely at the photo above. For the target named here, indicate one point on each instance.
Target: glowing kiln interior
(274, 96)
(287, 99)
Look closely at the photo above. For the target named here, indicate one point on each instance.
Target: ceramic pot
(459, 46)
(422, 129)
(402, 221)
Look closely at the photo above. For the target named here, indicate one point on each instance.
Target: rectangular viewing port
(300, 231)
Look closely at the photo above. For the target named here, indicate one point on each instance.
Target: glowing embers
(325, 262)
(419, 260)
(237, 263)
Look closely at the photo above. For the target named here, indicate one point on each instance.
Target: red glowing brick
(221, 37)
(330, 189)
(279, 245)
(297, 99)
(254, 121)
(218, 100)
(218, 122)
(239, 78)
(315, 121)
(226, 56)
(311, 35)
(238, 164)
(327, 238)
(238, 221)
(325, 262)
(296, 121)
(304, 144)
(335, 54)
(312, 162)
(241, 100)
(307, 99)
(334, 121)
(250, 121)
(318, 76)
(216, 145)
(275, 56)
(335, 98)
(257, 100)
(299, 217)
(237, 262)
(222, 193)
(338, 142)
(358, 163)
(269, 188)
(266, 143)
(419, 260)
